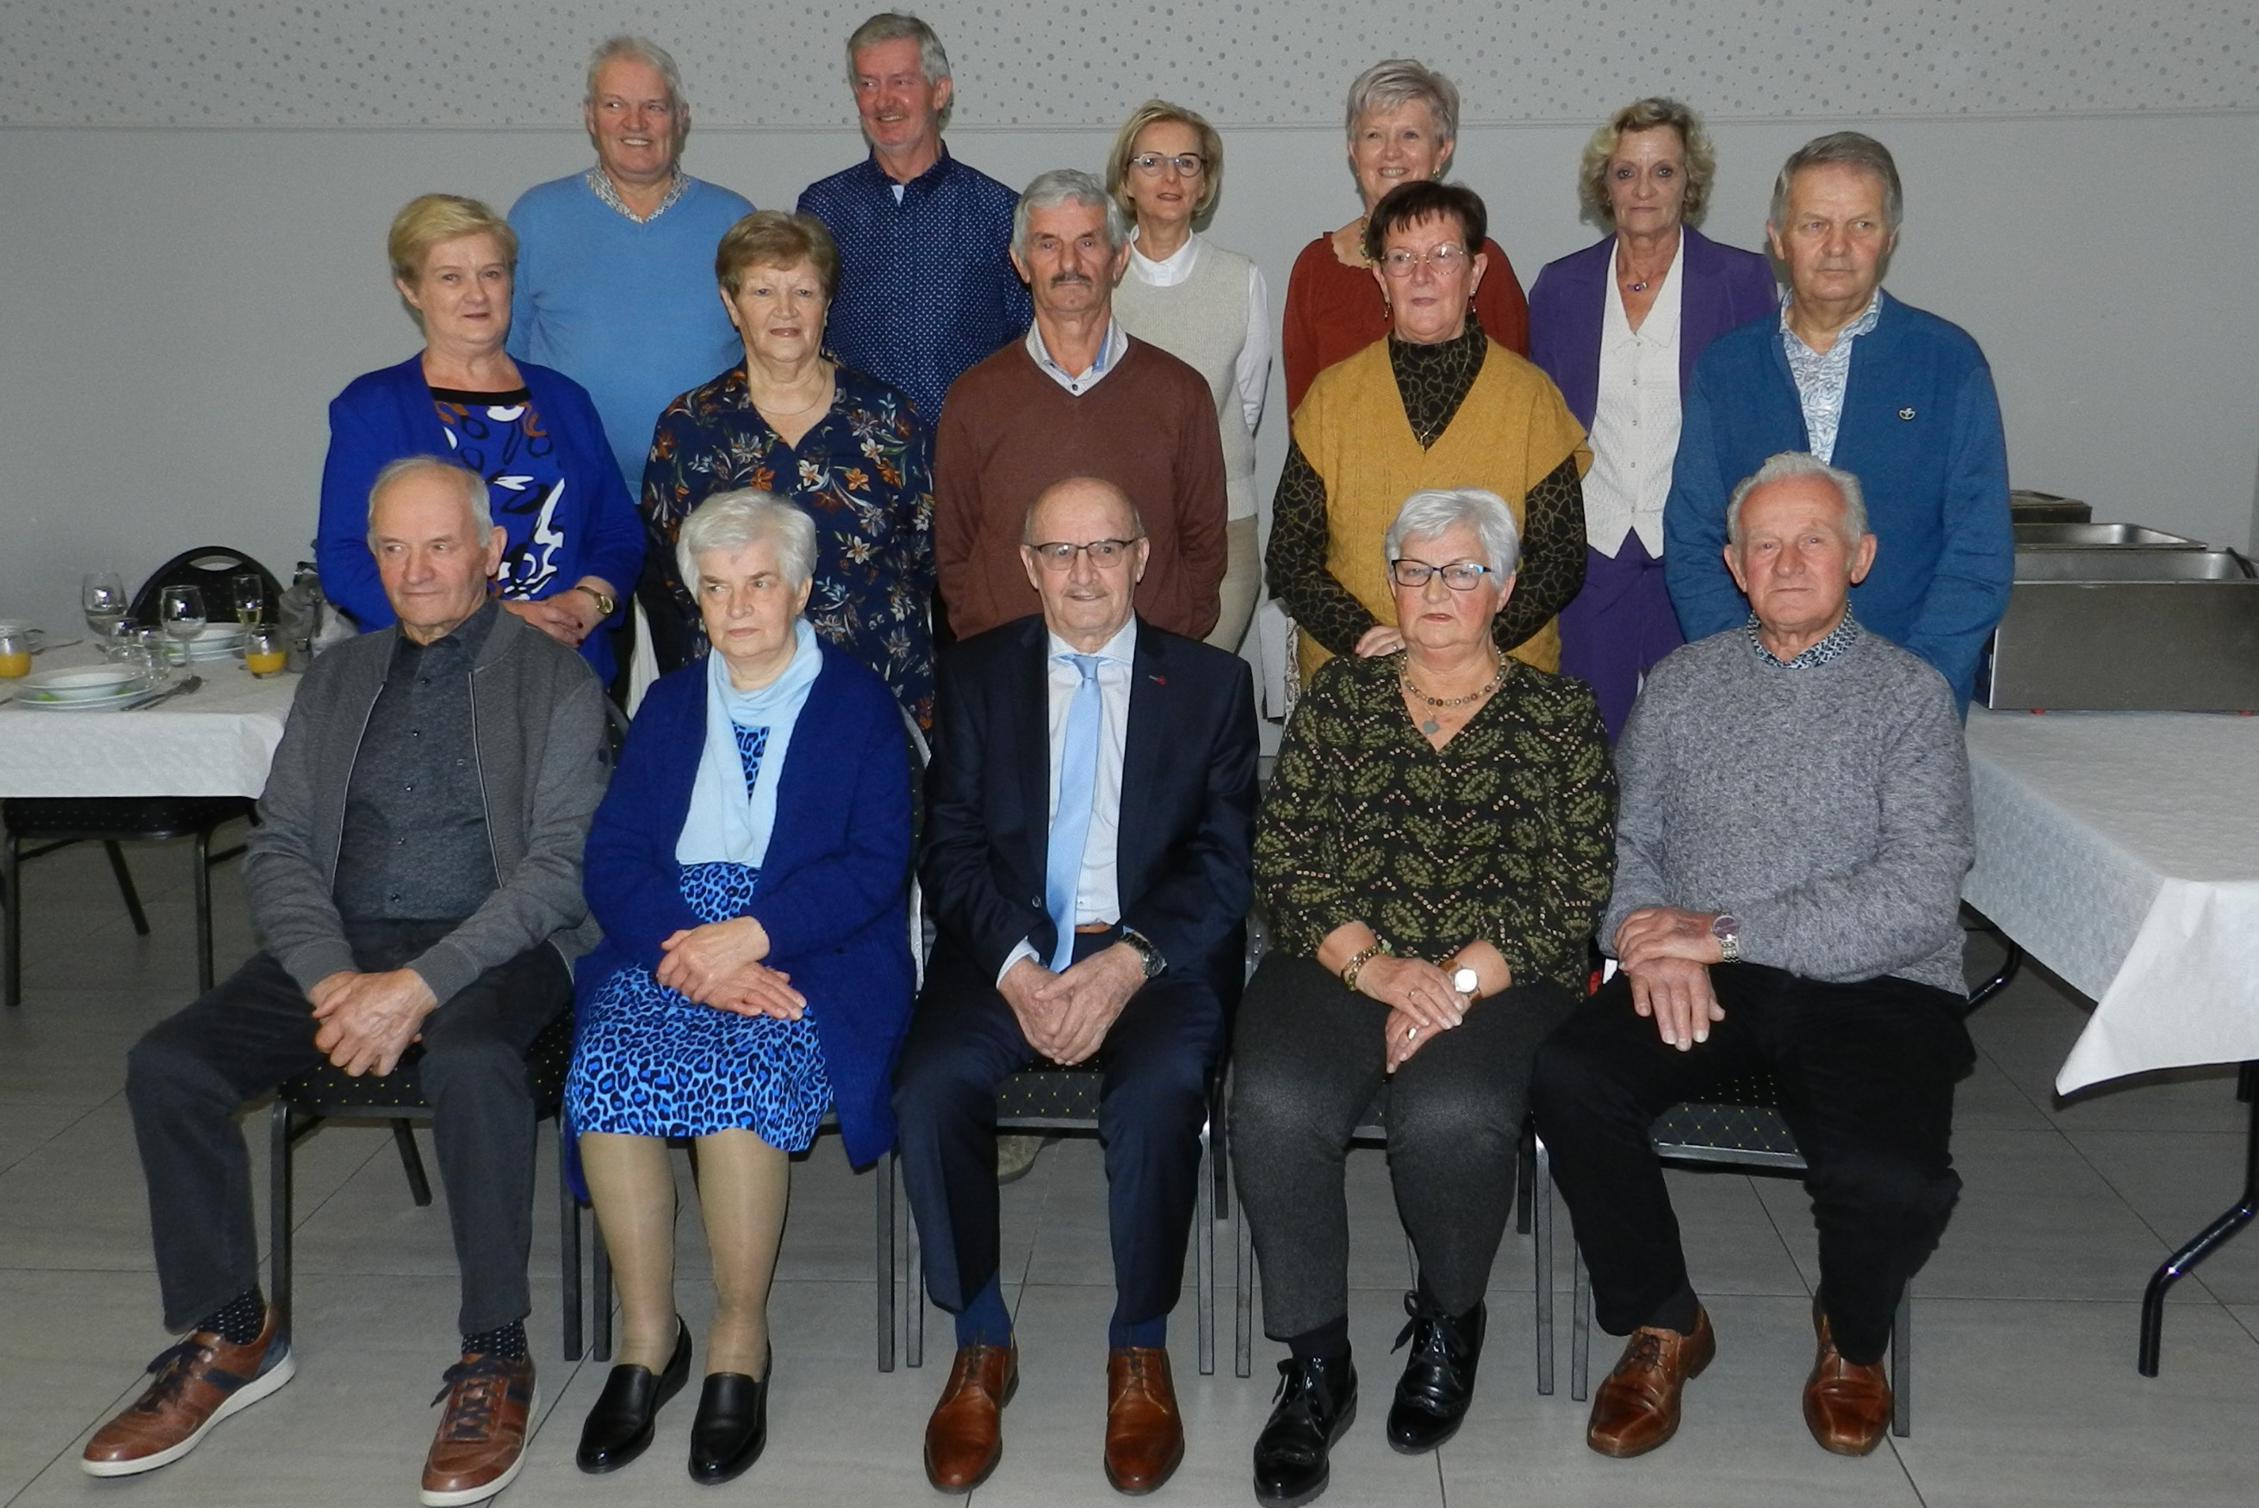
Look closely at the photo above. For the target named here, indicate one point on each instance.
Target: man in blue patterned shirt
(926, 283)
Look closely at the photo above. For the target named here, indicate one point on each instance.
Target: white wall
(186, 289)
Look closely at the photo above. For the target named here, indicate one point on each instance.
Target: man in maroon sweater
(1077, 397)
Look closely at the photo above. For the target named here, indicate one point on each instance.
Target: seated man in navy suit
(1087, 857)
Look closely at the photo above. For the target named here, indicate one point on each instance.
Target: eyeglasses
(1187, 164)
(1446, 259)
(1060, 556)
(1460, 575)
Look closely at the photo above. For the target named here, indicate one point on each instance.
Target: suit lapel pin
(1158, 680)
(1906, 414)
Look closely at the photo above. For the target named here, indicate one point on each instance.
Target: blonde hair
(1648, 115)
(429, 219)
(1156, 112)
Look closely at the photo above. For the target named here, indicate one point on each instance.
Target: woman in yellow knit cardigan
(1433, 404)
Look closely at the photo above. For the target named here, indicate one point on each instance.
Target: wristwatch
(1465, 980)
(604, 600)
(1154, 962)
(1726, 928)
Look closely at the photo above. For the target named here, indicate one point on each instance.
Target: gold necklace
(1430, 725)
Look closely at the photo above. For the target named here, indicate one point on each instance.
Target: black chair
(48, 823)
(1053, 1100)
(1741, 1127)
(328, 1093)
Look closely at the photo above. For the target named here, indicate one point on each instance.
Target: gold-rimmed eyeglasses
(1398, 261)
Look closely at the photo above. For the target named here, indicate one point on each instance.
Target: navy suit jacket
(1725, 287)
(1184, 867)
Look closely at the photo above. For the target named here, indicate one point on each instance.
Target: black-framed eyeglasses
(1058, 555)
(1187, 164)
(1460, 575)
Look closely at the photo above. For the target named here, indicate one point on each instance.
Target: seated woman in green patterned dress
(1433, 853)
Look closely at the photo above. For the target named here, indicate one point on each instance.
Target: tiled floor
(2026, 1391)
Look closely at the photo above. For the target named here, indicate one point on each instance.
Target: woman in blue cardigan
(750, 868)
(575, 544)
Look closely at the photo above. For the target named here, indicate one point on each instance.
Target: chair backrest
(211, 569)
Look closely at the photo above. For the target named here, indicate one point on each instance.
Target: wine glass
(250, 598)
(102, 595)
(180, 612)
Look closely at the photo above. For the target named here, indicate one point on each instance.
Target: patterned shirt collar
(943, 167)
(1834, 646)
(600, 184)
(1821, 377)
(1433, 380)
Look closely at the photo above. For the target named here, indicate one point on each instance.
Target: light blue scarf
(728, 824)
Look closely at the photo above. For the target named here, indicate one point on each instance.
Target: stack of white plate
(215, 641)
(96, 688)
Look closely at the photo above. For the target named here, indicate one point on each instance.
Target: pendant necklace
(1430, 726)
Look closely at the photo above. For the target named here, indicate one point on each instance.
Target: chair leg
(1524, 1163)
(1538, 1192)
(883, 1175)
(279, 1213)
(1580, 1326)
(568, 1243)
(203, 885)
(1243, 1295)
(913, 1288)
(411, 1162)
(600, 1297)
(1204, 1240)
(1219, 1147)
(12, 900)
(126, 890)
(1902, 1366)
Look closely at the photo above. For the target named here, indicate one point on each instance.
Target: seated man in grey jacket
(1794, 828)
(415, 879)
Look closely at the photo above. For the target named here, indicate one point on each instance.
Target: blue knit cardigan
(834, 889)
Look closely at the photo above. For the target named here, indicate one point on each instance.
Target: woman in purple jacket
(1618, 327)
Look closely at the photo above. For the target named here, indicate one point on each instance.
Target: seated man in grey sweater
(1794, 829)
(415, 882)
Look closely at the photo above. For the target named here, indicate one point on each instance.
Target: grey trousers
(187, 1079)
(1307, 1060)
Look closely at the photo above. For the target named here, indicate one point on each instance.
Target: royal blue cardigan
(387, 414)
(834, 894)
(1921, 431)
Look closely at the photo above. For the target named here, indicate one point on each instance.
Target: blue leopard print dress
(651, 1062)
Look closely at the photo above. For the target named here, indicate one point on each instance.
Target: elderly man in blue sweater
(1794, 828)
(1895, 395)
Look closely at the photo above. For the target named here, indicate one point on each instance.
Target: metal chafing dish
(2119, 617)
(2026, 506)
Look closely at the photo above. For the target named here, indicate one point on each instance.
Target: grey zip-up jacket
(537, 726)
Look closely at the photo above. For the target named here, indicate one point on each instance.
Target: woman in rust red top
(1403, 123)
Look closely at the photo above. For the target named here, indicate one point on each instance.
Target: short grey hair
(468, 483)
(729, 521)
(641, 50)
(1067, 186)
(1851, 149)
(899, 26)
(1796, 463)
(1400, 81)
(1428, 514)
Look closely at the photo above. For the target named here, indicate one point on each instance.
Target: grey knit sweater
(1826, 806)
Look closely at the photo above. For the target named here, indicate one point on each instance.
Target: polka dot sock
(505, 1344)
(240, 1319)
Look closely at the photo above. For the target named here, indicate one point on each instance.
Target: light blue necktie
(1070, 829)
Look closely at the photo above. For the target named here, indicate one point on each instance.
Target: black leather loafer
(1439, 1376)
(1316, 1402)
(732, 1426)
(619, 1426)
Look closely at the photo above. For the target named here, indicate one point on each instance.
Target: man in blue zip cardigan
(1895, 395)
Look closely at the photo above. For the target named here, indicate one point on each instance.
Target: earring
(1388, 310)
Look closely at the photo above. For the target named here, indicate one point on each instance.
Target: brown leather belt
(1094, 929)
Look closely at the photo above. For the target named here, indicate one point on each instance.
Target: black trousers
(1155, 1064)
(1307, 1059)
(187, 1079)
(1866, 1074)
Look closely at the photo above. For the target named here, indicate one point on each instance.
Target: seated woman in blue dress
(750, 868)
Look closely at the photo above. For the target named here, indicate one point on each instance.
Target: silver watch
(1726, 928)
(1154, 962)
(1465, 980)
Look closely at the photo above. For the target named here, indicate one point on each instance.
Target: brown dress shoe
(199, 1382)
(1846, 1405)
(1144, 1436)
(482, 1437)
(1637, 1408)
(965, 1436)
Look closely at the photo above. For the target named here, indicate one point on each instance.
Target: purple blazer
(1725, 287)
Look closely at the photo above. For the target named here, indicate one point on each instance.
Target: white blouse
(1635, 422)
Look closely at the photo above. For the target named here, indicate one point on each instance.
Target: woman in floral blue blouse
(793, 421)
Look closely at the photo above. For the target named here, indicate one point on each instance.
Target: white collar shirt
(1110, 351)
(1635, 420)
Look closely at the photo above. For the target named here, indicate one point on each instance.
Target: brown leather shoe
(199, 1382)
(965, 1436)
(1144, 1436)
(1637, 1408)
(482, 1437)
(1846, 1405)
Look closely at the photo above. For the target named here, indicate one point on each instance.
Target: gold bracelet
(1357, 962)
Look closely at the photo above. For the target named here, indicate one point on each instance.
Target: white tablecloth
(2121, 849)
(216, 741)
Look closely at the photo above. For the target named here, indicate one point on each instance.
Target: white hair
(1796, 463)
(642, 50)
(729, 521)
(1068, 186)
(468, 483)
(1428, 514)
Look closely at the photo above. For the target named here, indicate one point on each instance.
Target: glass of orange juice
(15, 654)
(262, 650)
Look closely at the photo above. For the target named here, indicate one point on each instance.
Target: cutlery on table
(183, 689)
